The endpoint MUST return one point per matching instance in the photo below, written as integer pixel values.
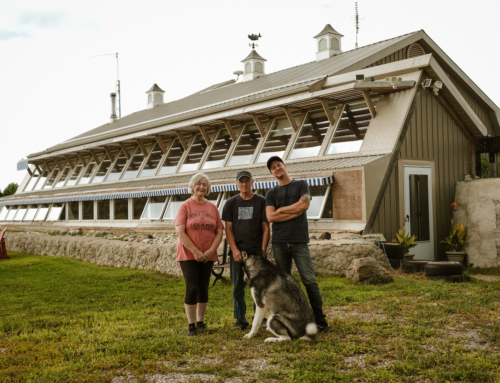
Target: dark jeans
(197, 278)
(284, 253)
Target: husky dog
(276, 292)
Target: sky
(52, 87)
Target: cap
(272, 159)
(243, 173)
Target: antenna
(356, 19)
(118, 94)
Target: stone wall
(330, 257)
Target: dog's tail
(311, 332)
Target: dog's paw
(272, 340)
(248, 336)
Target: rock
(367, 271)
(63, 231)
(313, 237)
(325, 235)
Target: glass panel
(32, 181)
(173, 206)
(42, 179)
(57, 212)
(212, 197)
(103, 210)
(73, 211)
(121, 208)
(51, 179)
(419, 207)
(247, 144)
(173, 158)
(88, 210)
(117, 168)
(351, 128)
(30, 215)
(311, 136)
(135, 164)
(138, 205)
(151, 164)
(3, 213)
(42, 212)
(193, 158)
(318, 194)
(219, 150)
(87, 174)
(20, 213)
(75, 174)
(277, 140)
(225, 197)
(12, 212)
(64, 176)
(102, 170)
(328, 209)
(154, 207)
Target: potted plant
(407, 241)
(455, 243)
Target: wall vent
(322, 45)
(334, 44)
(415, 50)
(258, 67)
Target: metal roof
(328, 29)
(253, 55)
(155, 88)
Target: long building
(382, 133)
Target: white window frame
(38, 211)
(91, 176)
(268, 133)
(164, 207)
(325, 198)
(14, 219)
(2, 210)
(137, 149)
(164, 158)
(50, 211)
(113, 163)
(31, 208)
(96, 211)
(186, 153)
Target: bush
(9, 189)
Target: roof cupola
(253, 66)
(328, 43)
(155, 96)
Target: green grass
(63, 320)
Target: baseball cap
(272, 159)
(243, 173)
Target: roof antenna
(118, 94)
(356, 18)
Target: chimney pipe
(113, 117)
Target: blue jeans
(284, 253)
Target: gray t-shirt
(295, 230)
(247, 217)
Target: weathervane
(253, 38)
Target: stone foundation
(330, 257)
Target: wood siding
(402, 54)
(432, 136)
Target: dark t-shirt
(295, 230)
(247, 217)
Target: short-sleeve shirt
(247, 217)
(201, 220)
(295, 230)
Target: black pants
(197, 278)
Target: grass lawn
(63, 320)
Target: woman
(199, 228)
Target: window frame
(268, 133)
(113, 163)
(125, 168)
(165, 156)
(212, 144)
(27, 211)
(104, 155)
(6, 209)
(163, 209)
(73, 170)
(325, 198)
(186, 154)
(52, 205)
(162, 158)
(40, 206)
(20, 207)
(91, 176)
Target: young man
(286, 206)
(247, 230)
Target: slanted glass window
(64, 176)
(172, 159)
(193, 158)
(57, 212)
(311, 136)
(20, 213)
(328, 209)
(121, 209)
(277, 140)
(154, 207)
(103, 210)
(319, 196)
(351, 128)
(246, 146)
(30, 214)
(11, 213)
(3, 213)
(42, 212)
(102, 170)
(73, 211)
(225, 197)
(219, 150)
(42, 179)
(75, 174)
(152, 162)
(117, 168)
(88, 210)
(173, 205)
(88, 173)
(138, 205)
(51, 179)
(135, 163)
(32, 181)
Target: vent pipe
(113, 117)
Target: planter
(409, 257)
(395, 263)
(393, 250)
(456, 256)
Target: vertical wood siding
(432, 136)
(396, 56)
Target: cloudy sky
(51, 88)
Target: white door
(419, 218)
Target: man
(247, 230)
(286, 206)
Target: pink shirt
(201, 220)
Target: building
(378, 153)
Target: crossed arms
(286, 213)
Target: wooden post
(230, 130)
(142, 147)
(58, 165)
(205, 135)
(289, 115)
(369, 103)
(258, 124)
(80, 157)
(182, 140)
(328, 112)
(493, 165)
(71, 166)
(38, 168)
(47, 165)
(29, 170)
(161, 144)
(108, 152)
(94, 156)
(125, 151)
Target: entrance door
(419, 219)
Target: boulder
(325, 235)
(367, 271)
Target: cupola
(328, 43)
(253, 66)
(155, 96)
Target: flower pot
(456, 256)
(409, 257)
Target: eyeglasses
(245, 182)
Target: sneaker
(323, 326)
(191, 330)
(203, 328)
(239, 326)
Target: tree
(9, 189)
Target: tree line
(9, 189)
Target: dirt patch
(347, 312)
(470, 337)
(486, 278)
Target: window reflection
(102, 170)
(154, 207)
(64, 176)
(173, 205)
(20, 213)
(32, 181)
(51, 179)
(42, 212)
(30, 214)
(103, 210)
(75, 174)
(277, 140)
(42, 179)
(73, 211)
(3, 213)
(219, 150)
(193, 158)
(318, 194)
(117, 168)
(247, 144)
(172, 159)
(88, 210)
(121, 209)
(138, 207)
(56, 212)
(135, 163)
(87, 174)
(311, 136)
(152, 162)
